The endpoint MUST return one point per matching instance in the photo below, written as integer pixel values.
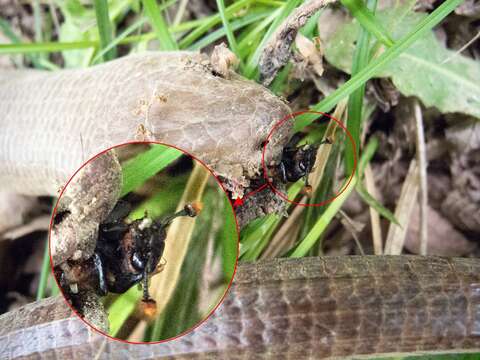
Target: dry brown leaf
(311, 52)
(224, 61)
(443, 239)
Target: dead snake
(291, 308)
(315, 307)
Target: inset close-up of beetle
(158, 245)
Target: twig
(277, 51)
(180, 12)
(396, 234)
(422, 164)
(374, 216)
(459, 51)
(353, 227)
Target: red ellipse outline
(236, 260)
(292, 116)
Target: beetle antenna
(328, 140)
(146, 295)
(190, 210)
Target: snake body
(291, 308)
(52, 122)
(317, 307)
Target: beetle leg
(112, 230)
(328, 140)
(102, 283)
(283, 172)
(188, 210)
(119, 212)
(160, 267)
(146, 295)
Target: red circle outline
(292, 116)
(236, 260)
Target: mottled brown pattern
(87, 201)
(292, 309)
(52, 122)
(276, 51)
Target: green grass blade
(10, 34)
(28, 48)
(162, 202)
(136, 25)
(219, 33)
(228, 30)
(311, 27)
(104, 28)
(368, 72)
(280, 83)
(371, 201)
(368, 21)
(167, 42)
(253, 232)
(137, 170)
(355, 101)
(254, 243)
(367, 155)
(37, 20)
(229, 237)
(121, 308)
(323, 221)
(245, 46)
(42, 284)
(211, 22)
(257, 234)
(55, 290)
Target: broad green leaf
(72, 29)
(436, 75)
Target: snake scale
(312, 307)
(291, 308)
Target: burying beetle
(297, 161)
(128, 253)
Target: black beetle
(297, 161)
(127, 253)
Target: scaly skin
(52, 122)
(292, 308)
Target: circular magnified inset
(143, 242)
(305, 159)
